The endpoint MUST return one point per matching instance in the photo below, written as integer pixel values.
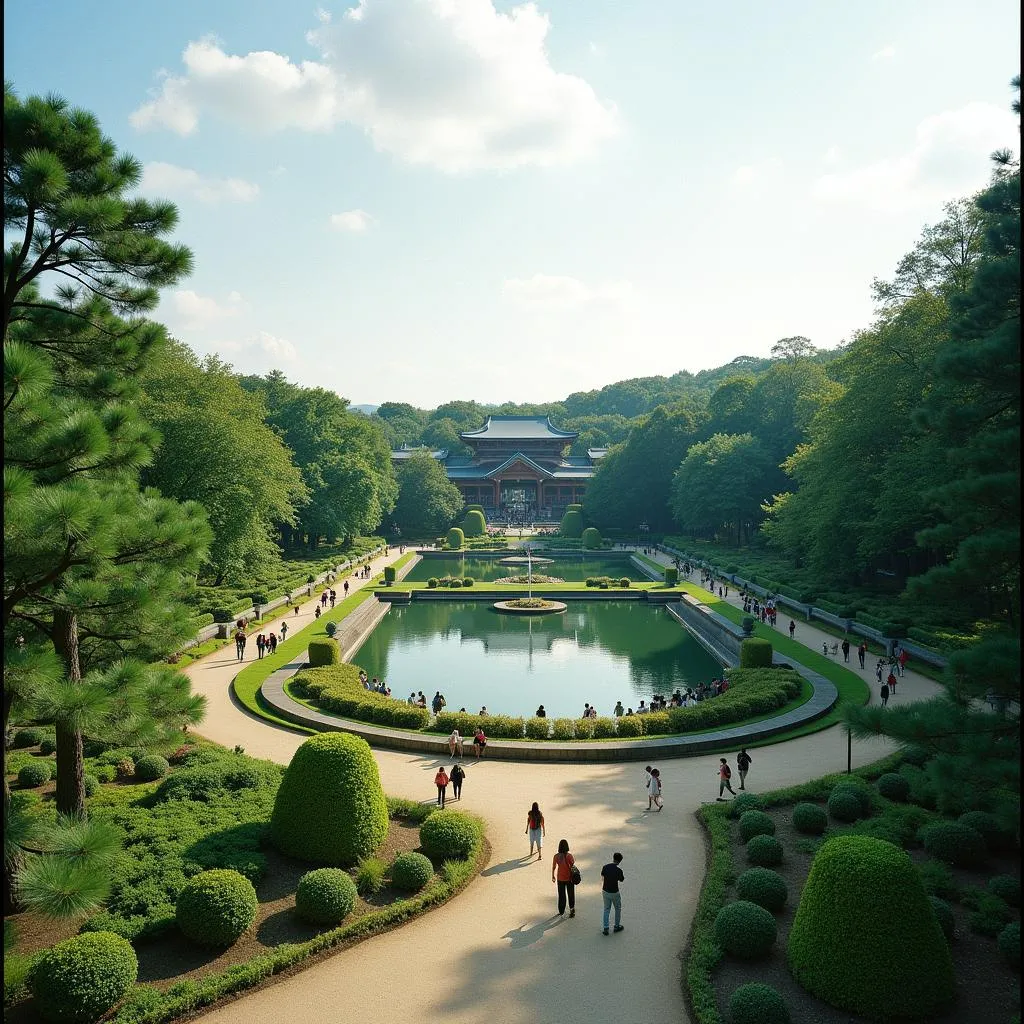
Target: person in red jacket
(441, 780)
(724, 775)
(561, 872)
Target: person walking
(454, 738)
(441, 780)
(901, 660)
(743, 763)
(655, 788)
(535, 828)
(272, 641)
(884, 694)
(792, 628)
(457, 774)
(878, 669)
(344, 587)
(862, 651)
(611, 876)
(561, 872)
(891, 680)
(724, 775)
(316, 612)
(334, 598)
(846, 649)
(240, 644)
(284, 631)
(261, 644)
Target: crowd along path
(499, 951)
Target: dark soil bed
(988, 989)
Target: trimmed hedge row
(337, 688)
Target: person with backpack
(724, 775)
(457, 774)
(567, 875)
(743, 763)
(535, 828)
(441, 780)
(240, 644)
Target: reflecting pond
(486, 568)
(596, 652)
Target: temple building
(518, 470)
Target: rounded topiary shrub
(862, 790)
(997, 836)
(954, 843)
(743, 803)
(330, 807)
(456, 538)
(91, 784)
(862, 899)
(765, 851)
(81, 978)
(411, 871)
(151, 767)
(944, 915)
(572, 523)
(331, 628)
(448, 835)
(1009, 943)
(755, 1003)
(810, 819)
(325, 896)
(323, 652)
(844, 805)
(27, 738)
(591, 537)
(755, 653)
(755, 823)
(1006, 887)
(48, 746)
(764, 887)
(214, 908)
(745, 930)
(894, 787)
(35, 773)
(474, 524)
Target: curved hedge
(755, 653)
(765, 851)
(756, 1003)
(80, 979)
(745, 930)
(411, 871)
(954, 843)
(325, 896)
(810, 819)
(337, 688)
(764, 887)
(894, 786)
(863, 899)
(215, 907)
(323, 652)
(330, 807)
(448, 835)
(151, 767)
(755, 823)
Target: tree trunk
(70, 795)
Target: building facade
(518, 470)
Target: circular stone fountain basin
(511, 609)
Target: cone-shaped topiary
(330, 808)
(863, 896)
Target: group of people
(456, 777)
(374, 685)
(765, 611)
(455, 742)
(689, 698)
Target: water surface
(487, 567)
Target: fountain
(529, 605)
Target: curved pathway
(499, 952)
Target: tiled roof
(514, 427)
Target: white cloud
(262, 343)
(885, 53)
(171, 180)
(353, 221)
(949, 158)
(453, 84)
(833, 155)
(552, 291)
(750, 174)
(192, 311)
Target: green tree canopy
(428, 502)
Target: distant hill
(366, 410)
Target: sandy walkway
(499, 952)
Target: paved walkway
(499, 952)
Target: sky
(430, 200)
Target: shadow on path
(510, 865)
(523, 936)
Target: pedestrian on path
(743, 763)
(284, 631)
(334, 598)
(892, 682)
(846, 649)
(611, 875)
(344, 587)
(535, 828)
(655, 788)
(724, 775)
(878, 669)
(457, 774)
(862, 651)
(454, 739)
(316, 612)
(240, 645)
(561, 872)
(261, 645)
(441, 780)
(792, 628)
(884, 694)
(901, 659)
(272, 641)
(647, 784)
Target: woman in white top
(655, 788)
(455, 743)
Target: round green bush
(323, 652)
(448, 835)
(755, 823)
(997, 836)
(91, 784)
(863, 899)
(756, 1003)
(1006, 887)
(214, 908)
(591, 537)
(745, 930)
(474, 524)
(331, 628)
(944, 915)
(80, 979)
(755, 653)
(810, 819)
(572, 523)
(844, 805)
(35, 773)
(862, 790)
(954, 843)
(325, 896)
(630, 725)
(743, 803)
(894, 787)
(456, 538)
(411, 871)
(48, 746)
(27, 738)
(764, 887)
(330, 807)
(151, 767)
(765, 851)
(1009, 943)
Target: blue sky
(425, 200)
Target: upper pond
(486, 568)
(595, 652)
